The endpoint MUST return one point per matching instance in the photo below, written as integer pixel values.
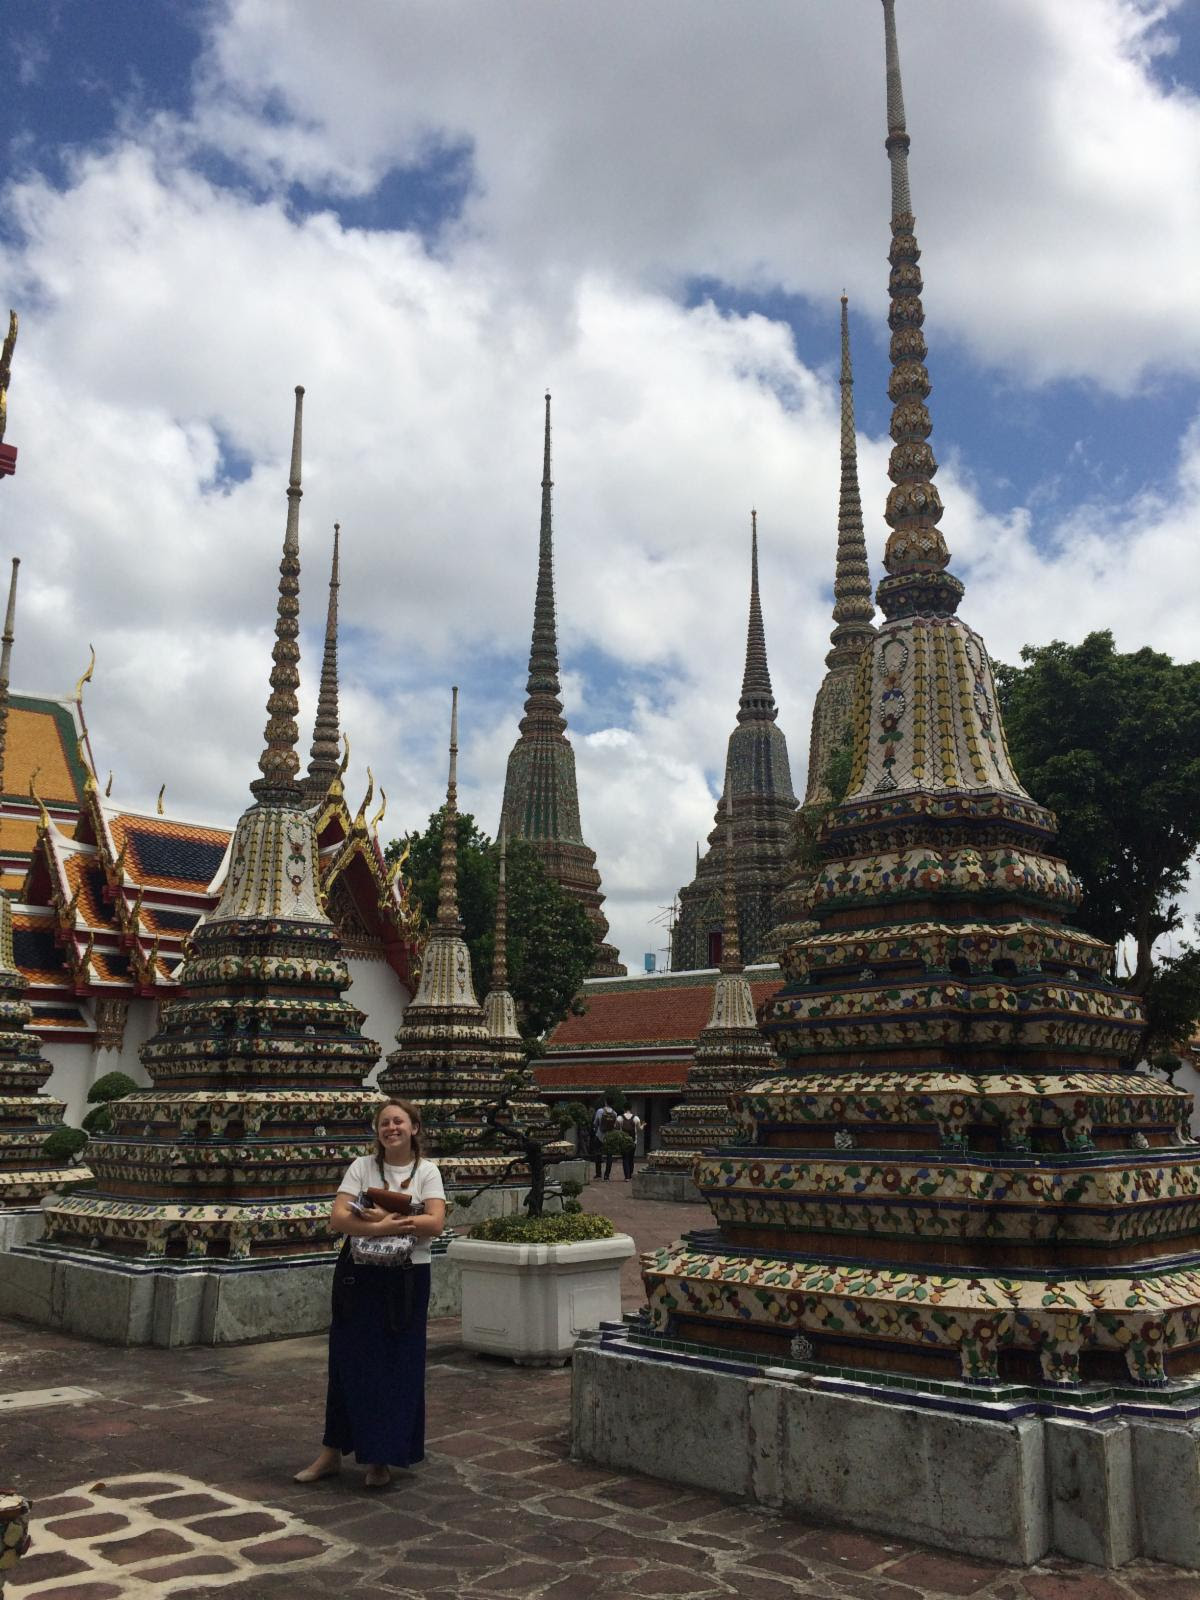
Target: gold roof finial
(382, 812)
(159, 805)
(367, 798)
(44, 823)
(108, 785)
(346, 757)
(87, 674)
(279, 762)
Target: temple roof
(671, 1009)
(637, 1034)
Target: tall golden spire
(853, 610)
(279, 762)
(447, 912)
(916, 554)
(323, 762)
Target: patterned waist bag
(394, 1252)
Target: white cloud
(1053, 172)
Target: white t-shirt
(363, 1173)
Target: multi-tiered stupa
(257, 1103)
(759, 777)
(446, 1057)
(853, 631)
(731, 1056)
(541, 796)
(958, 1176)
(27, 1117)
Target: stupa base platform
(179, 1303)
(20, 1225)
(1006, 1473)
(652, 1184)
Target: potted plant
(532, 1284)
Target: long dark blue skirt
(375, 1403)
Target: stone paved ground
(168, 1473)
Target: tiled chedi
(759, 778)
(27, 1116)
(452, 1057)
(958, 1174)
(731, 1053)
(541, 795)
(853, 631)
(257, 1102)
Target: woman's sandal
(377, 1478)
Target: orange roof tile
(649, 1011)
(42, 736)
(596, 1076)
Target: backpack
(608, 1120)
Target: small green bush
(570, 1188)
(112, 1086)
(566, 1228)
(98, 1120)
(65, 1143)
(616, 1144)
(616, 1099)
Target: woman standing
(375, 1402)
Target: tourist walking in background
(630, 1126)
(603, 1123)
(375, 1400)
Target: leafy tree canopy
(551, 944)
(1110, 741)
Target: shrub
(616, 1099)
(570, 1188)
(65, 1143)
(98, 1120)
(569, 1227)
(617, 1144)
(111, 1086)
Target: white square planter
(530, 1302)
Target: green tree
(551, 943)
(1110, 741)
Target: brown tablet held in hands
(391, 1200)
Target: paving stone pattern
(176, 1481)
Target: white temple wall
(377, 990)
(72, 1077)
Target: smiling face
(394, 1129)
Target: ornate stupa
(853, 631)
(499, 1007)
(257, 1100)
(27, 1117)
(447, 1058)
(324, 767)
(541, 799)
(759, 778)
(958, 1176)
(731, 1056)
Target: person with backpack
(630, 1125)
(603, 1123)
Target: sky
(428, 214)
